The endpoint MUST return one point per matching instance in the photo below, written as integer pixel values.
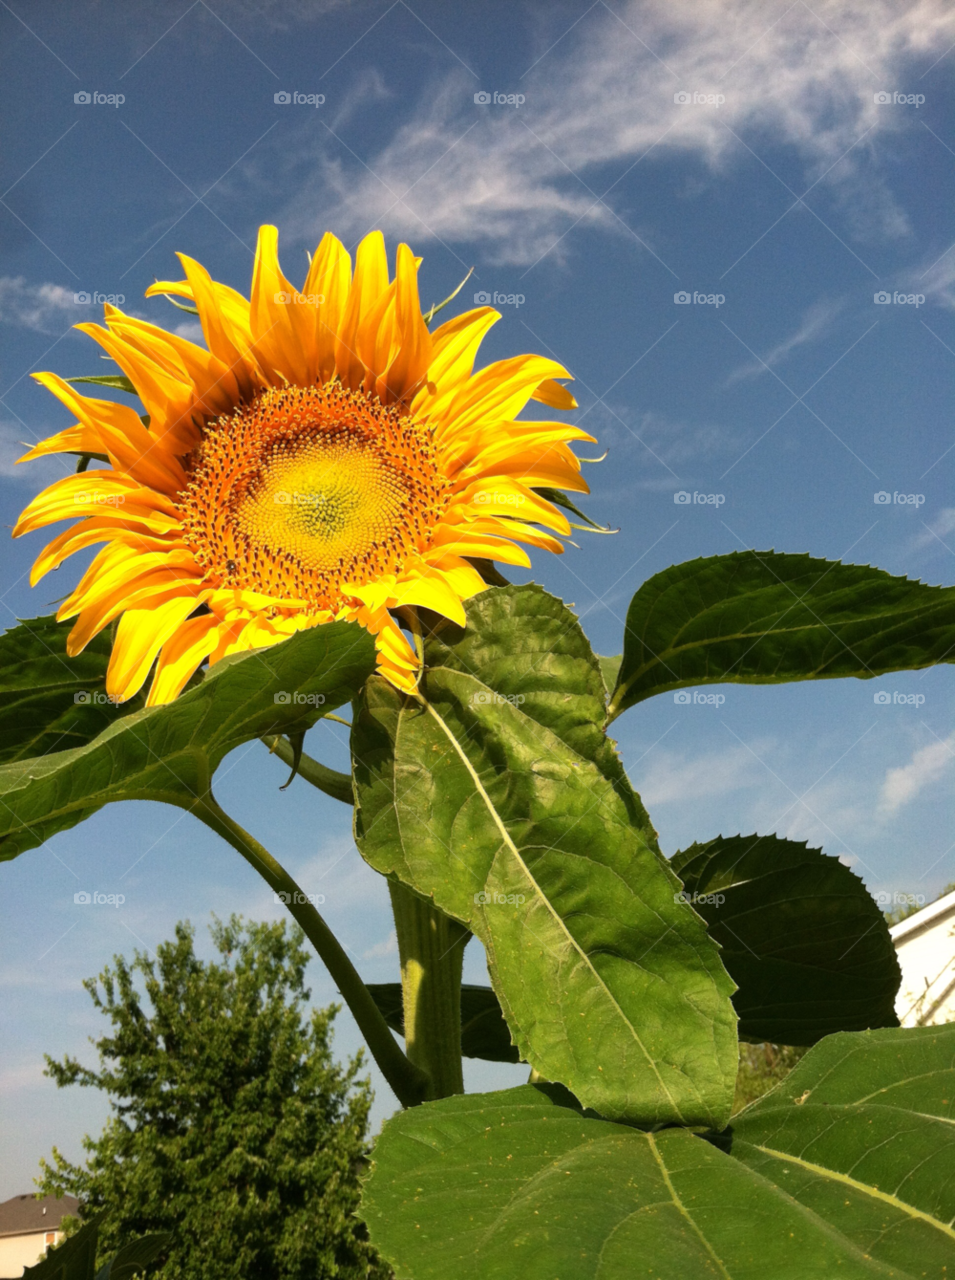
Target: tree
(232, 1127)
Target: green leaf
(862, 1134)
(802, 937)
(499, 797)
(560, 499)
(131, 1259)
(520, 1185)
(48, 701)
(170, 753)
(118, 381)
(74, 1259)
(484, 1032)
(763, 618)
(610, 669)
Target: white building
(27, 1227)
(925, 945)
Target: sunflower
(324, 457)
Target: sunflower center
(307, 488)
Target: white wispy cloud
(938, 281)
(673, 777)
(815, 323)
(928, 765)
(516, 180)
(46, 308)
(936, 531)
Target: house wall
(17, 1252)
(927, 959)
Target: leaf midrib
(506, 836)
(864, 1188)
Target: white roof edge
(933, 913)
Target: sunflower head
(324, 456)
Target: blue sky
(788, 162)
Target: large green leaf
(762, 617)
(518, 1185)
(170, 753)
(862, 1134)
(49, 701)
(75, 1258)
(484, 1032)
(498, 796)
(802, 937)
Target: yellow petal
(139, 637)
(275, 335)
(370, 281)
(182, 654)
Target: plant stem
(334, 784)
(431, 948)
(408, 1082)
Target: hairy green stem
(409, 1083)
(334, 784)
(431, 950)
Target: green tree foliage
(232, 1127)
